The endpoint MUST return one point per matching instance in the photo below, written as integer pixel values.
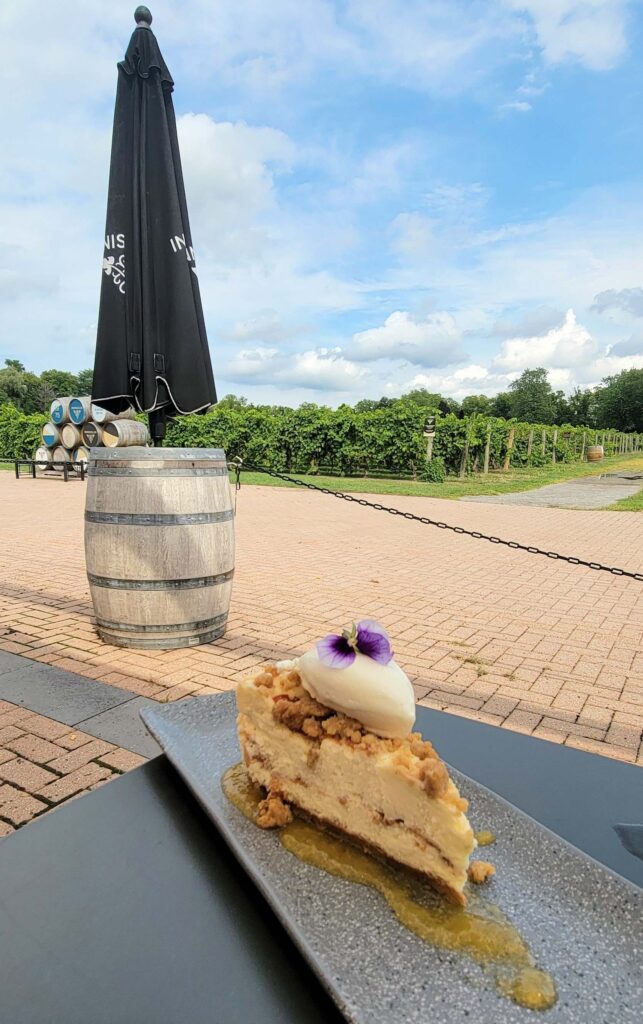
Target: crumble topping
(294, 708)
(273, 812)
(480, 871)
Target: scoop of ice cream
(379, 696)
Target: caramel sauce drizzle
(480, 931)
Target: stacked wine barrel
(76, 425)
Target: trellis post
(487, 450)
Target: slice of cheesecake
(390, 795)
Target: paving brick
(73, 740)
(5, 829)
(34, 748)
(83, 778)
(122, 760)
(18, 807)
(10, 732)
(46, 728)
(25, 774)
(82, 755)
(549, 638)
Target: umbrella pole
(158, 423)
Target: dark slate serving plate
(582, 922)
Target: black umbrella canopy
(151, 347)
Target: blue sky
(383, 193)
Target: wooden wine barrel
(70, 436)
(100, 415)
(59, 410)
(92, 435)
(80, 410)
(159, 545)
(43, 454)
(59, 455)
(594, 452)
(122, 433)
(81, 454)
(50, 435)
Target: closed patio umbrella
(151, 347)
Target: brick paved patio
(500, 636)
(43, 763)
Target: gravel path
(588, 492)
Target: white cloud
(567, 345)
(432, 341)
(319, 369)
(627, 300)
(520, 106)
(592, 32)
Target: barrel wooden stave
(100, 415)
(81, 454)
(595, 453)
(80, 409)
(59, 410)
(92, 434)
(123, 433)
(159, 548)
(50, 434)
(43, 454)
(70, 436)
(59, 455)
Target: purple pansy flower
(367, 637)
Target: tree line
(32, 393)
(617, 403)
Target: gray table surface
(125, 907)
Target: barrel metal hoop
(189, 584)
(162, 643)
(150, 519)
(175, 627)
(164, 469)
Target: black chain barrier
(237, 465)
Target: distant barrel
(122, 433)
(80, 410)
(60, 455)
(70, 436)
(81, 454)
(59, 410)
(43, 454)
(50, 435)
(100, 415)
(92, 434)
(595, 452)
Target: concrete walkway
(587, 492)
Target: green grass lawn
(453, 488)
(633, 504)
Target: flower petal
(335, 652)
(373, 641)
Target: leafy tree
(12, 384)
(581, 407)
(85, 380)
(619, 401)
(60, 382)
(420, 396)
(532, 399)
(476, 403)
(501, 405)
(15, 364)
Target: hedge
(388, 441)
